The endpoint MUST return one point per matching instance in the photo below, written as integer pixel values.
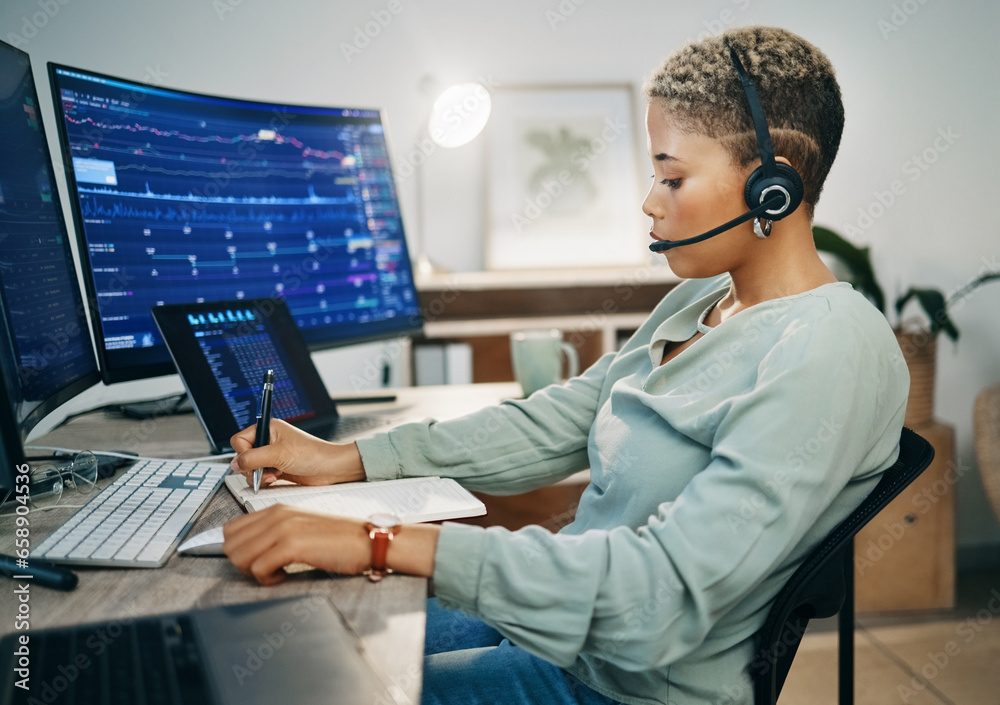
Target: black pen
(263, 424)
(38, 572)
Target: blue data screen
(188, 198)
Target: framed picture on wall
(562, 179)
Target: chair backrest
(819, 586)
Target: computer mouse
(207, 543)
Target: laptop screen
(222, 350)
(239, 347)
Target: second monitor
(46, 356)
(180, 197)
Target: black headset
(773, 189)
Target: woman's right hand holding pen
(295, 455)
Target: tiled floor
(916, 659)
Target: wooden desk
(388, 616)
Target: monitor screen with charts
(46, 353)
(181, 197)
(222, 351)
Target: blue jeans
(467, 662)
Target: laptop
(261, 653)
(222, 349)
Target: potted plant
(917, 340)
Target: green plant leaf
(856, 259)
(973, 285)
(936, 308)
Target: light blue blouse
(712, 476)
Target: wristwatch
(381, 529)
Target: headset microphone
(773, 189)
(771, 201)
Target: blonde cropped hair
(699, 87)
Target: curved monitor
(46, 354)
(180, 197)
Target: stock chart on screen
(181, 197)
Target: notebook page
(412, 499)
(282, 488)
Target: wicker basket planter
(920, 353)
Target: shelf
(553, 278)
(593, 308)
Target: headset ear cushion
(787, 178)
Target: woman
(747, 417)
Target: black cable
(128, 410)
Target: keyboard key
(154, 665)
(188, 664)
(122, 657)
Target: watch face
(384, 521)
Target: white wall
(910, 71)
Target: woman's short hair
(699, 87)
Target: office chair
(824, 585)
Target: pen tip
(269, 377)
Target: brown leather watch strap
(381, 530)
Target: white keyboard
(139, 519)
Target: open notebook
(413, 499)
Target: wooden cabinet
(904, 558)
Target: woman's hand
(261, 544)
(295, 455)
